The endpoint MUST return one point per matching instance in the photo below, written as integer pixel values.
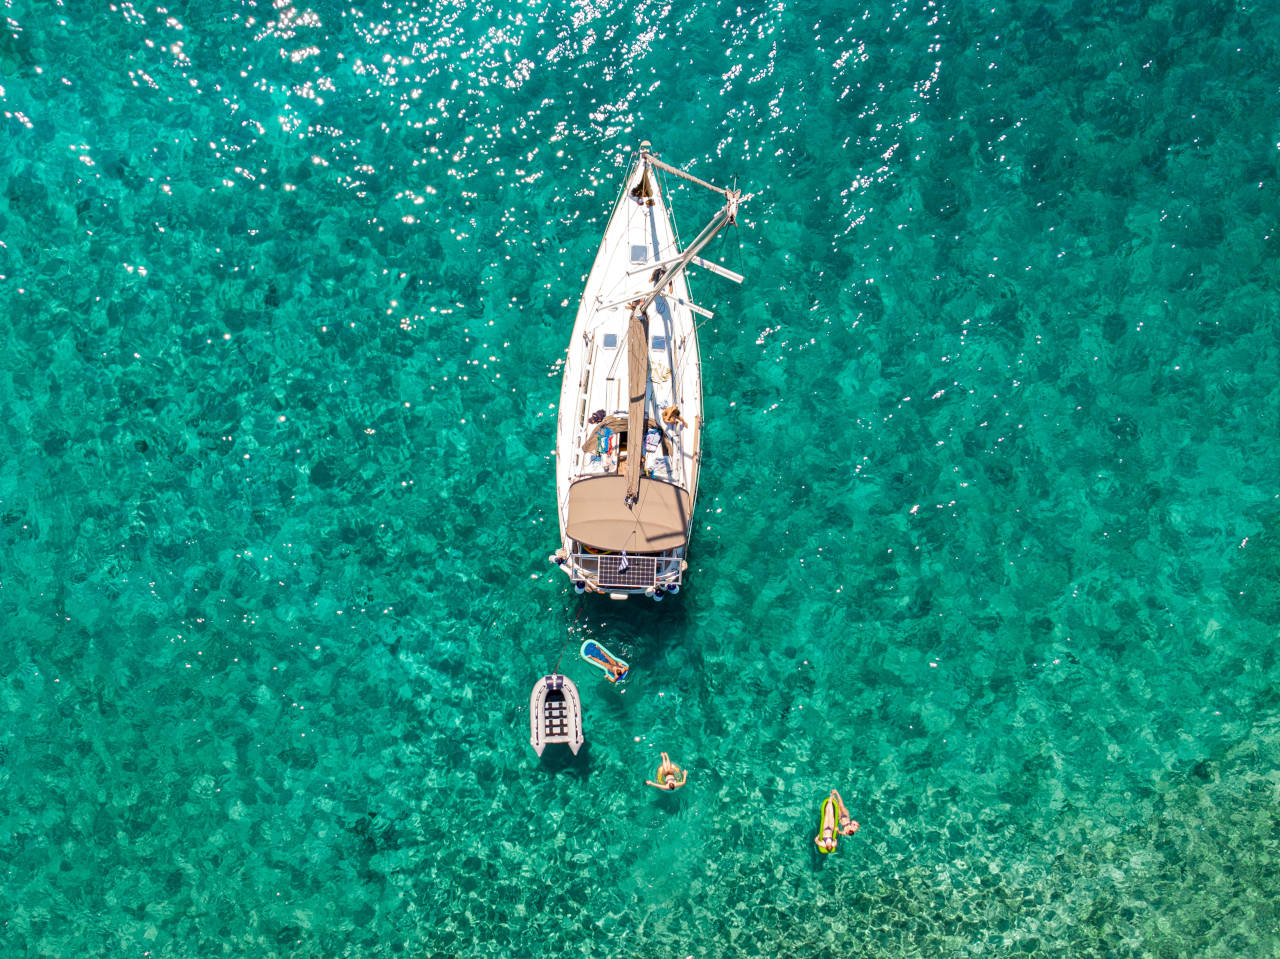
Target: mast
(727, 216)
(638, 325)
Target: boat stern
(621, 576)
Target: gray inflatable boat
(555, 713)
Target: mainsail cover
(638, 387)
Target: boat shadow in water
(557, 760)
(637, 622)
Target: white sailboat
(629, 439)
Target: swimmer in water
(848, 825)
(666, 775)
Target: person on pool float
(826, 838)
(610, 665)
(667, 773)
(848, 825)
(616, 670)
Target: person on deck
(666, 775)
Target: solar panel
(638, 574)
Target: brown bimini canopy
(598, 516)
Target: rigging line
(738, 258)
(660, 184)
(622, 191)
(687, 176)
(567, 638)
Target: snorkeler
(667, 773)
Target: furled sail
(638, 388)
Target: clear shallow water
(987, 534)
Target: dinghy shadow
(556, 762)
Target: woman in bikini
(848, 825)
(611, 666)
(826, 838)
(666, 775)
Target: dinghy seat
(555, 710)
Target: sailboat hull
(608, 544)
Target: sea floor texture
(988, 536)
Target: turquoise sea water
(987, 535)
